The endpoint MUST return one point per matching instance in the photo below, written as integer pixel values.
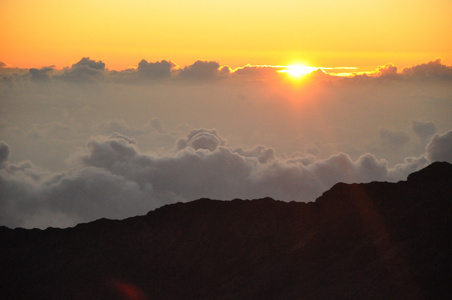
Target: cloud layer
(89, 70)
(87, 142)
(116, 180)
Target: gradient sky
(326, 33)
(109, 109)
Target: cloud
(204, 70)
(4, 152)
(115, 179)
(88, 70)
(201, 139)
(262, 153)
(40, 74)
(424, 130)
(146, 145)
(105, 152)
(84, 71)
(440, 147)
(432, 69)
(154, 70)
(256, 71)
(387, 71)
(86, 62)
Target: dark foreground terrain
(359, 241)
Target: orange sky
(325, 33)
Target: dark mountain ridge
(357, 241)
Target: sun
(297, 71)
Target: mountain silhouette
(357, 241)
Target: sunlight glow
(297, 71)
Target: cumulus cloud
(115, 179)
(86, 70)
(387, 71)
(86, 62)
(432, 69)
(262, 153)
(206, 70)
(154, 70)
(440, 147)
(201, 139)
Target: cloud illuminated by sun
(297, 70)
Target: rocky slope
(357, 241)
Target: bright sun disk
(297, 71)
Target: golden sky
(326, 33)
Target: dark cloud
(86, 62)
(160, 69)
(424, 130)
(2, 64)
(105, 152)
(204, 70)
(4, 152)
(256, 72)
(440, 147)
(40, 74)
(88, 70)
(224, 71)
(432, 69)
(84, 71)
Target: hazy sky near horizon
(112, 108)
